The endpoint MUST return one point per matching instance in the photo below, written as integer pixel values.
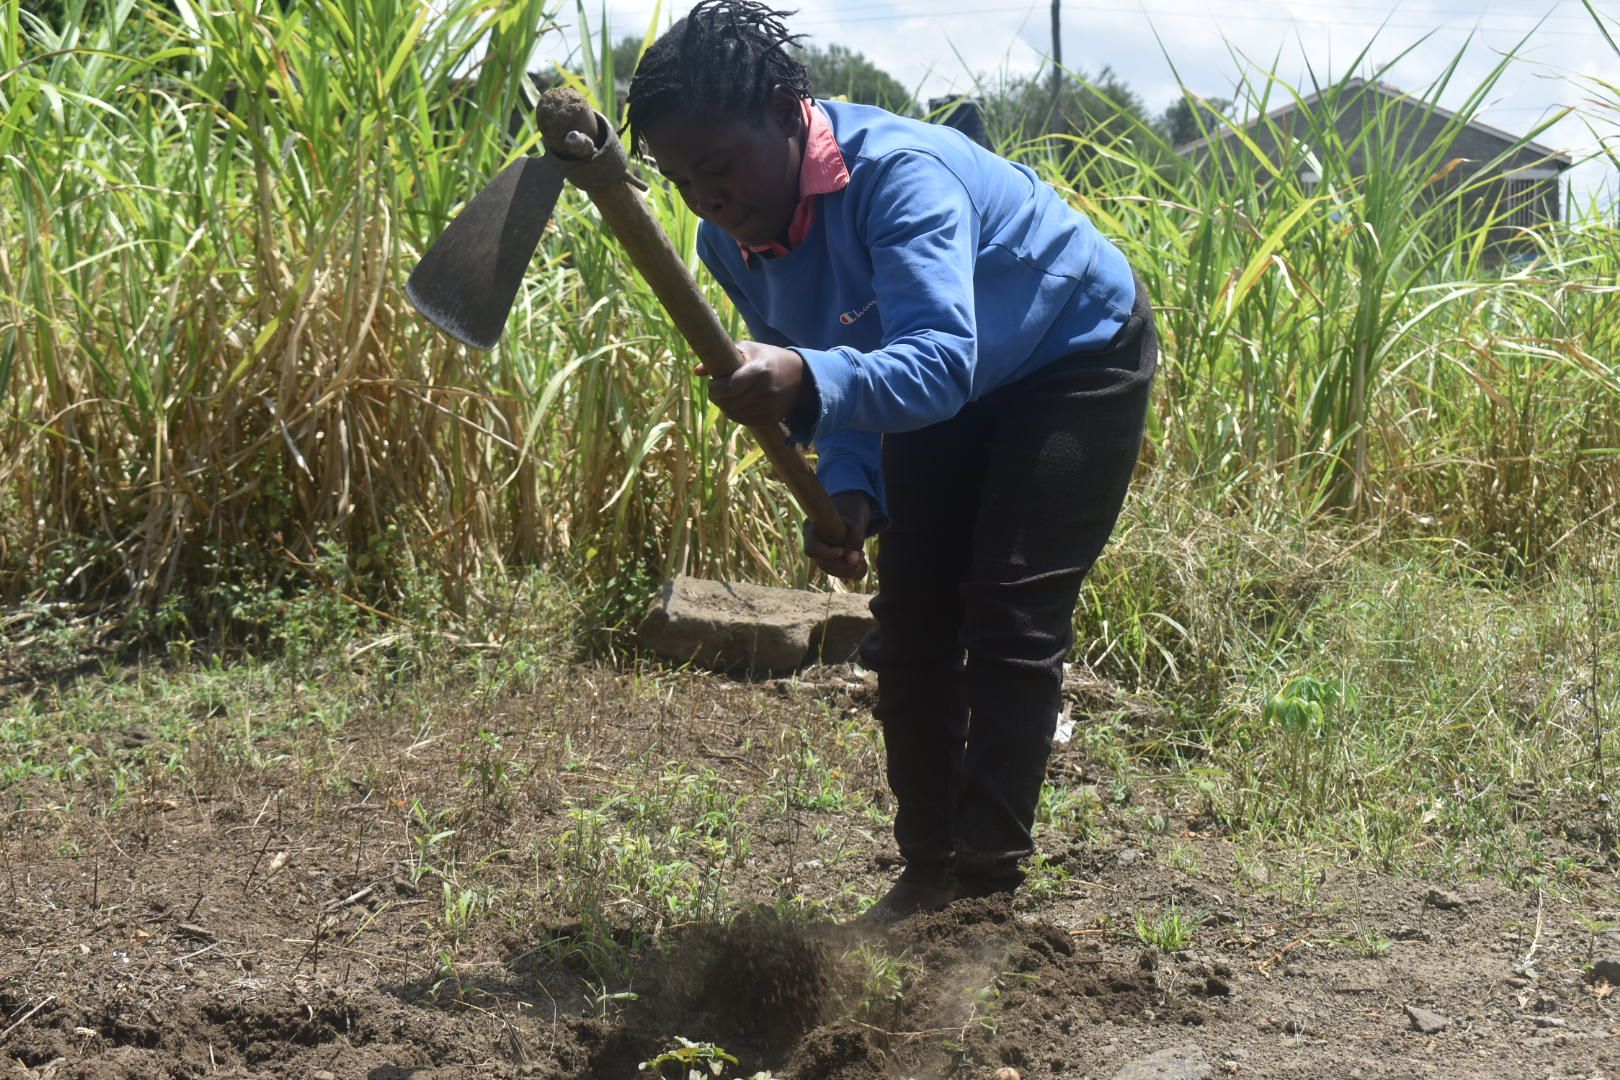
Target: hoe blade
(468, 278)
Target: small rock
(1549, 1022)
(1412, 933)
(1175, 1063)
(1607, 969)
(1518, 982)
(734, 625)
(1546, 1003)
(1127, 856)
(321, 1074)
(1440, 898)
(1426, 1021)
(1007, 1072)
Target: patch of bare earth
(278, 922)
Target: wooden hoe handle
(574, 132)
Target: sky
(940, 46)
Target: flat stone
(735, 626)
(1426, 1021)
(1607, 970)
(1175, 1063)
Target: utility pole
(1057, 49)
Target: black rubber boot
(972, 886)
(922, 887)
(978, 877)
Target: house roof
(1554, 157)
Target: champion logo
(848, 317)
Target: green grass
(1342, 696)
(213, 387)
(1387, 696)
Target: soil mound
(760, 982)
(803, 1000)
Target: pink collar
(822, 173)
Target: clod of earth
(1426, 1021)
(1440, 898)
(1606, 970)
(734, 626)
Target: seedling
(1594, 929)
(1172, 930)
(429, 833)
(689, 1061)
(1183, 858)
(885, 977)
(1044, 879)
(461, 905)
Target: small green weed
(690, 1060)
(809, 783)
(462, 904)
(1171, 930)
(885, 978)
(1069, 810)
(488, 772)
(429, 834)
(1182, 858)
(1044, 879)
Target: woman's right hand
(846, 560)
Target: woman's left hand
(764, 390)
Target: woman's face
(742, 173)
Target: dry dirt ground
(269, 916)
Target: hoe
(468, 279)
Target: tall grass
(1363, 344)
(210, 373)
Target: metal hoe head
(468, 279)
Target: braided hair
(725, 55)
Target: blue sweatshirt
(940, 273)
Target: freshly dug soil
(260, 923)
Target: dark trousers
(996, 515)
